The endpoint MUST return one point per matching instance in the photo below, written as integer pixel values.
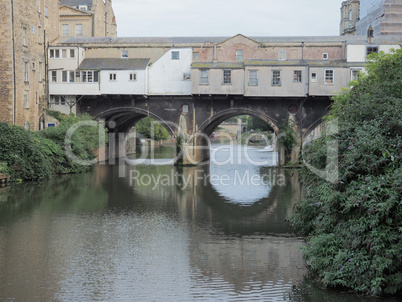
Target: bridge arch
(212, 123)
(126, 117)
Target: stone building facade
(87, 18)
(25, 29)
(350, 11)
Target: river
(148, 231)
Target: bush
(354, 227)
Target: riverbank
(31, 156)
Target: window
(64, 76)
(78, 76)
(52, 53)
(57, 53)
(276, 78)
(65, 30)
(45, 11)
(78, 30)
(371, 49)
(325, 56)
(239, 55)
(282, 55)
(370, 32)
(313, 77)
(186, 76)
(329, 76)
(83, 7)
(33, 66)
(58, 100)
(195, 56)
(227, 77)
(26, 99)
(204, 77)
(71, 76)
(72, 53)
(124, 53)
(24, 36)
(84, 76)
(40, 71)
(350, 15)
(253, 78)
(354, 74)
(133, 76)
(64, 53)
(297, 76)
(54, 76)
(39, 35)
(112, 77)
(32, 30)
(26, 71)
(175, 55)
(96, 76)
(38, 6)
(90, 76)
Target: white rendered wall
(123, 85)
(166, 75)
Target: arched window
(350, 15)
(370, 32)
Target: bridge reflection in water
(100, 236)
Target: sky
(177, 18)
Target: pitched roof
(76, 2)
(114, 64)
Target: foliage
(354, 226)
(287, 138)
(145, 126)
(37, 155)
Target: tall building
(26, 27)
(87, 18)
(349, 16)
(383, 16)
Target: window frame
(112, 77)
(276, 78)
(314, 77)
(226, 77)
(239, 55)
(26, 99)
(132, 77)
(54, 76)
(65, 30)
(253, 81)
(26, 76)
(374, 49)
(124, 54)
(196, 56)
(204, 80)
(175, 55)
(326, 77)
(283, 57)
(78, 30)
(297, 76)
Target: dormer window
(83, 7)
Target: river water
(148, 231)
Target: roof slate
(114, 64)
(76, 2)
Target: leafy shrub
(354, 227)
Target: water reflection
(98, 236)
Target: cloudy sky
(152, 18)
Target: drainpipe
(14, 57)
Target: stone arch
(212, 123)
(127, 117)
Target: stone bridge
(194, 118)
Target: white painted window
(204, 77)
(371, 49)
(325, 56)
(297, 76)
(253, 78)
(72, 53)
(227, 77)
(26, 71)
(58, 100)
(78, 30)
(124, 53)
(78, 76)
(112, 77)
(26, 99)
(313, 77)
(83, 7)
(24, 36)
(51, 53)
(282, 54)
(71, 77)
(57, 53)
(329, 76)
(133, 76)
(195, 56)
(276, 78)
(239, 55)
(65, 30)
(64, 76)
(54, 76)
(64, 53)
(175, 55)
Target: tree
(145, 126)
(354, 227)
